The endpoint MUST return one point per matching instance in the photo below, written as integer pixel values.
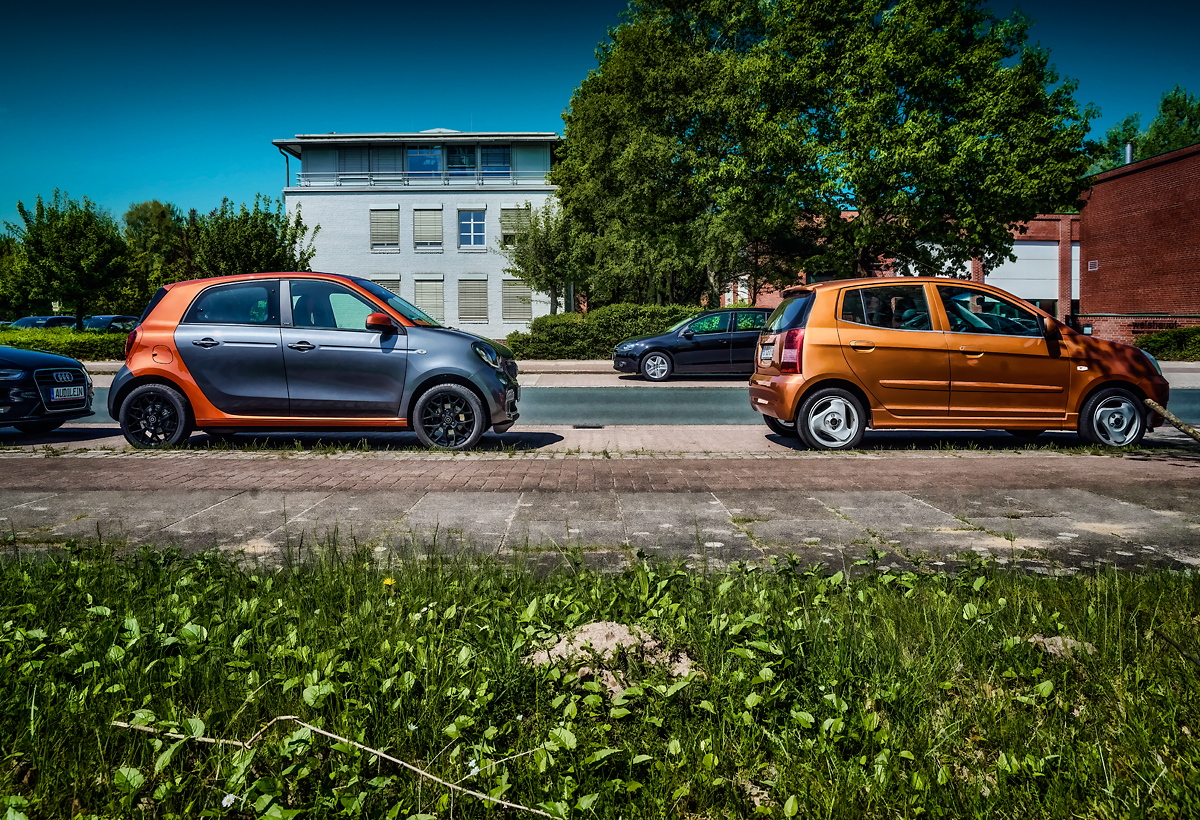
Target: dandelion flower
(387, 582)
(228, 800)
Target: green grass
(883, 695)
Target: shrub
(1180, 345)
(593, 335)
(88, 347)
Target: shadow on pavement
(365, 442)
(1163, 440)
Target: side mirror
(687, 334)
(1047, 327)
(381, 322)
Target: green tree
(540, 253)
(72, 252)
(1175, 126)
(236, 239)
(15, 294)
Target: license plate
(765, 354)
(63, 393)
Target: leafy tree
(15, 298)
(1176, 125)
(540, 253)
(230, 240)
(71, 252)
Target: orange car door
(1000, 364)
(891, 345)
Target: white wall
(1035, 273)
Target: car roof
(249, 277)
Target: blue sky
(131, 101)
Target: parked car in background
(838, 358)
(44, 322)
(715, 341)
(110, 324)
(40, 391)
(306, 351)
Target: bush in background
(1179, 345)
(593, 335)
(87, 347)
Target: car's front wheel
(832, 419)
(779, 427)
(1112, 417)
(37, 427)
(449, 417)
(154, 416)
(656, 367)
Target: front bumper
(32, 399)
(503, 393)
(625, 362)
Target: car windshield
(680, 324)
(413, 314)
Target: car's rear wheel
(155, 416)
(779, 427)
(449, 417)
(831, 419)
(1112, 417)
(36, 427)
(656, 367)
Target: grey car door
(229, 340)
(336, 368)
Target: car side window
(753, 320)
(242, 303)
(713, 323)
(974, 311)
(327, 306)
(899, 307)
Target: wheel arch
(661, 350)
(849, 386)
(123, 392)
(1107, 383)
(445, 378)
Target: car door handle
(971, 352)
(865, 347)
(303, 347)
(206, 342)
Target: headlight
(11, 375)
(488, 354)
(625, 347)
(1153, 361)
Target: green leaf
(128, 780)
(791, 806)
(99, 611)
(617, 713)
(192, 634)
(1044, 688)
(640, 759)
(194, 727)
(563, 737)
(601, 754)
(587, 801)
(979, 582)
(164, 759)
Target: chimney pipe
(1128, 153)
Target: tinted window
(60, 321)
(791, 314)
(244, 303)
(973, 311)
(158, 297)
(900, 307)
(713, 323)
(328, 306)
(751, 321)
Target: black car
(39, 391)
(716, 341)
(44, 322)
(110, 324)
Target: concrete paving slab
(974, 503)
(680, 521)
(136, 518)
(471, 521)
(888, 511)
(254, 521)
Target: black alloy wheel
(779, 427)
(449, 417)
(154, 416)
(37, 427)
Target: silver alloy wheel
(1116, 421)
(833, 422)
(656, 367)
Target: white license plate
(62, 393)
(765, 354)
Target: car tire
(449, 417)
(831, 419)
(1025, 433)
(1112, 417)
(656, 366)
(38, 427)
(155, 416)
(779, 427)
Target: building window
(427, 228)
(470, 229)
(429, 296)
(352, 161)
(512, 222)
(518, 301)
(460, 160)
(472, 300)
(497, 160)
(387, 282)
(385, 229)
(424, 161)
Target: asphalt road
(664, 405)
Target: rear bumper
(776, 396)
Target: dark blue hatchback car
(40, 391)
(715, 341)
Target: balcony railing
(395, 179)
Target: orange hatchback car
(922, 353)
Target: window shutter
(385, 229)
(352, 160)
(427, 229)
(386, 160)
(428, 296)
(472, 300)
(514, 220)
(389, 283)
(518, 301)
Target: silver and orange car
(837, 358)
(306, 351)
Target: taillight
(792, 354)
(130, 341)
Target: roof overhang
(296, 145)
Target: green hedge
(593, 335)
(87, 347)
(1179, 345)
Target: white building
(423, 214)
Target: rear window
(791, 314)
(158, 297)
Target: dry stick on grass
(293, 718)
(1171, 417)
(1191, 656)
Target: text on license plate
(61, 393)
(765, 354)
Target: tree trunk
(79, 316)
(553, 299)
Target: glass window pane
(327, 306)
(713, 323)
(249, 303)
(973, 311)
(899, 307)
(751, 321)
